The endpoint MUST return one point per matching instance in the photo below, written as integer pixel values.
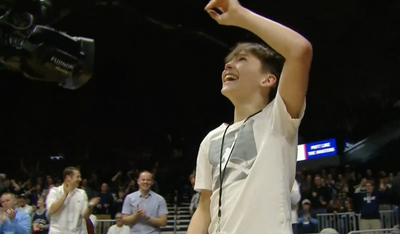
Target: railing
(377, 231)
(349, 222)
(175, 210)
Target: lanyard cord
(222, 172)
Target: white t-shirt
(114, 229)
(28, 209)
(69, 218)
(259, 175)
(295, 197)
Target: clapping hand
(94, 201)
(10, 213)
(141, 212)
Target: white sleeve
(51, 198)
(85, 202)
(203, 168)
(282, 122)
(295, 194)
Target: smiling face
(251, 70)
(145, 181)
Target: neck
(119, 225)
(243, 111)
(144, 193)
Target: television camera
(39, 52)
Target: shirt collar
(149, 194)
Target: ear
(268, 80)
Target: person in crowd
(68, 205)
(40, 219)
(106, 200)
(145, 211)
(119, 201)
(118, 227)
(9, 186)
(13, 220)
(341, 188)
(369, 201)
(23, 206)
(295, 197)
(307, 221)
(319, 197)
(88, 190)
(195, 197)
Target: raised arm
(296, 50)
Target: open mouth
(230, 77)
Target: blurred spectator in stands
(94, 181)
(370, 216)
(361, 187)
(9, 186)
(131, 187)
(334, 207)
(319, 196)
(23, 206)
(118, 227)
(192, 191)
(88, 190)
(120, 200)
(12, 220)
(307, 221)
(352, 183)
(145, 211)
(305, 187)
(347, 207)
(33, 194)
(40, 220)
(48, 185)
(295, 197)
(195, 198)
(369, 175)
(385, 203)
(341, 189)
(106, 200)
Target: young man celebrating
(245, 171)
(68, 206)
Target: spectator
(40, 220)
(88, 190)
(319, 197)
(370, 216)
(145, 211)
(295, 199)
(307, 221)
(12, 220)
(106, 200)
(195, 198)
(118, 227)
(67, 205)
(341, 189)
(23, 206)
(120, 200)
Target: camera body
(40, 52)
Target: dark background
(156, 88)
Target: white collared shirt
(69, 218)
